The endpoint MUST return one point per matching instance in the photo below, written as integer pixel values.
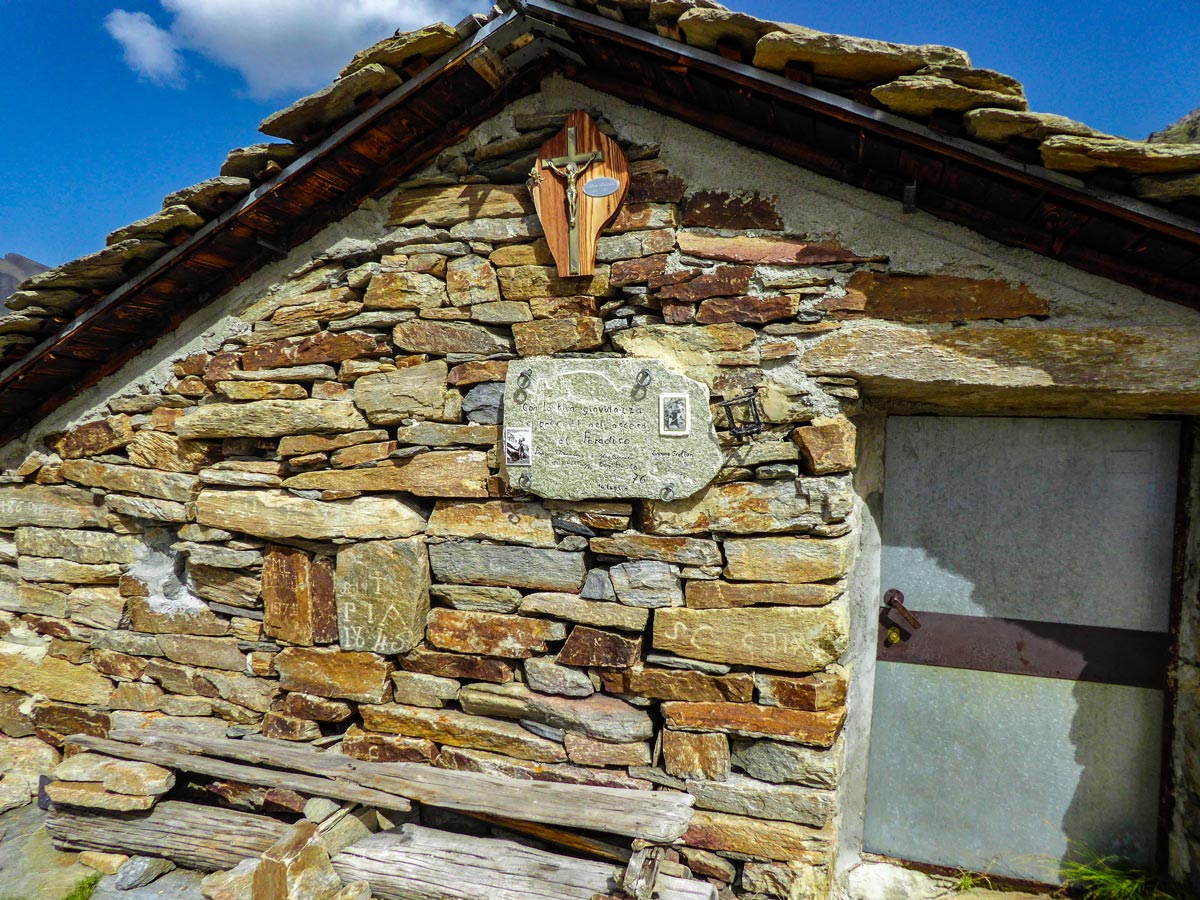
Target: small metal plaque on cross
(578, 183)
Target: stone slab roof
(915, 122)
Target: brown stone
(641, 216)
(297, 592)
(635, 271)
(1083, 155)
(323, 347)
(465, 760)
(334, 673)
(717, 209)
(92, 795)
(460, 729)
(31, 671)
(1038, 368)
(471, 280)
(767, 250)
(527, 282)
(327, 305)
(745, 507)
(852, 58)
(427, 336)
(999, 125)
(278, 514)
(297, 865)
(681, 550)
(450, 205)
(382, 592)
(817, 729)
(123, 776)
(130, 479)
(723, 281)
(52, 722)
(376, 747)
(268, 418)
(563, 307)
(444, 473)
(724, 595)
(827, 444)
(229, 586)
(319, 709)
(120, 666)
(591, 647)
(545, 337)
(156, 450)
(209, 652)
(491, 634)
(601, 717)
(458, 665)
(680, 684)
(389, 397)
(752, 310)
(404, 290)
(703, 756)
(761, 838)
(339, 100)
(499, 520)
(794, 560)
(95, 438)
(655, 187)
(926, 94)
(935, 298)
(470, 373)
(574, 608)
(297, 445)
(55, 506)
(816, 692)
(790, 638)
(289, 728)
(590, 752)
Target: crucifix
(575, 203)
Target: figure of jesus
(570, 173)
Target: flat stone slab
(182, 884)
(581, 429)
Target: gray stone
(598, 586)
(597, 432)
(598, 716)
(574, 608)
(382, 592)
(139, 871)
(647, 584)
(477, 598)
(389, 397)
(430, 691)
(92, 547)
(269, 418)
(788, 763)
(210, 196)
(331, 103)
(482, 403)
(692, 665)
(54, 506)
(548, 677)
(764, 800)
(542, 731)
(469, 562)
(278, 514)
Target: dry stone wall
(305, 533)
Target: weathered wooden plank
(415, 863)
(203, 765)
(195, 837)
(658, 816)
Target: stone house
(252, 482)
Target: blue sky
(108, 105)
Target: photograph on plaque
(674, 415)
(518, 446)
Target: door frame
(865, 589)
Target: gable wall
(313, 507)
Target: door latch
(894, 599)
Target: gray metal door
(1022, 720)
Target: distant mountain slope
(1185, 131)
(14, 269)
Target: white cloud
(282, 46)
(149, 50)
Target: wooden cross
(575, 203)
(569, 168)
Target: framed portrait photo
(518, 446)
(674, 415)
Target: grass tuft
(85, 888)
(966, 880)
(1107, 878)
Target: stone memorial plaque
(577, 429)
